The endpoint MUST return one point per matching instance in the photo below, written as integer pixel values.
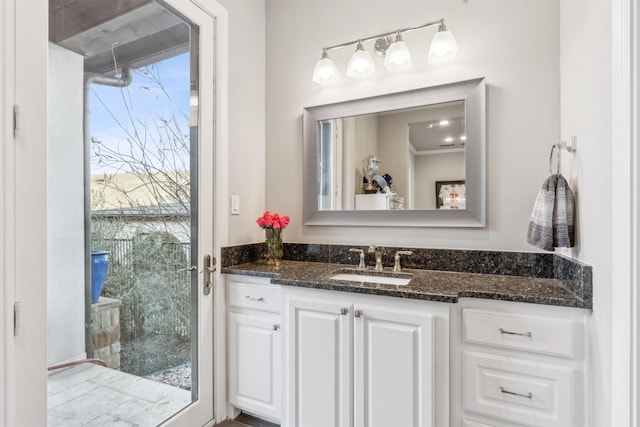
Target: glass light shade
(325, 71)
(443, 47)
(397, 56)
(361, 64)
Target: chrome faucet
(396, 265)
(378, 255)
(361, 265)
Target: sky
(144, 114)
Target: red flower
(273, 221)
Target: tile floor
(92, 395)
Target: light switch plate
(235, 204)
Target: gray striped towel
(551, 224)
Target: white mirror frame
(472, 92)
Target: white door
(255, 364)
(24, 81)
(320, 370)
(394, 363)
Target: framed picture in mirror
(450, 194)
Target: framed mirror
(378, 161)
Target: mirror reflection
(404, 159)
(412, 158)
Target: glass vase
(274, 246)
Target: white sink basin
(386, 280)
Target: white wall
(366, 144)
(351, 175)
(394, 153)
(514, 44)
(65, 205)
(430, 168)
(246, 117)
(585, 70)
(365, 139)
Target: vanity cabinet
(365, 360)
(516, 364)
(254, 346)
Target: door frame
(625, 311)
(23, 82)
(6, 42)
(24, 204)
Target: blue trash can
(99, 267)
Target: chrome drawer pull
(344, 311)
(513, 393)
(250, 298)
(526, 334)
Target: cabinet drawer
(521, 391)
(254, 297)
(537, 334)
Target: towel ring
(554, 147)
(570, 145)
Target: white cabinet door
(254, 364)
(320, 387)
(394, 368)
(364, 362)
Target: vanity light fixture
(392, 47)
(325, 71)
(361, 64)
(443, 46)
(397, 56)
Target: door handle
(208, 269)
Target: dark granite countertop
(430, 285)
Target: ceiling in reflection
(446, 133)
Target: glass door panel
(125, 239)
